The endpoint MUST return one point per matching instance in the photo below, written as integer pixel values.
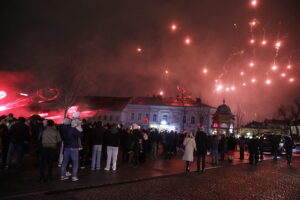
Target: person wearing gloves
(71, 136)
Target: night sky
(94, 43)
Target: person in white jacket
(190, 146)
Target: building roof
(168, 101)
(88, 102)
(224, 109)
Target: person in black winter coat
(202, 147)
(85, 144)
(154, 141)
(222, 147)
(242, 142)
(19, 134)
(275, 145)
(97, 141)
(4, 140)
(126, 143)
(137, 139)
(253, 146)
(112, 141)
(288, 145)
(231, 145)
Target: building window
(154, 117)
(105, 117)
(132, 116)
(192, 120)
(110, 117)
(117, 118)
(165, 117)
(139, 116)
(184, 119)
(147, 115)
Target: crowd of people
(78, 144)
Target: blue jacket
(71, 136)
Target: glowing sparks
(161, 93)
(274, 67)
(139, 49)
(244, 84)
(2, 94)
(24, 94)
(227, 89)
(166, 72)
(268, 81)
(289, 67)
(204, 70)
(253, 3)
(252, 41)
(277, 44)
(264, 42)
(253, 80)
(232, 88)
(291, 80)
(187, 41)
(219, 88)
(242, 73)
(174, 27)
(253, 23)
(251, 64)
(216, 80)
(283, 75)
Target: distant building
(267, 126)
(168, 113)
(157, 111)
(223, 120)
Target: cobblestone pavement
(268, 180)
(26, 181)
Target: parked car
(297, 148)
(268, 139)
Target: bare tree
(70, 84)
(203, 114)
(295, 114)
(239, 116)
(283, 112)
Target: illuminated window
(192, 120)
(132, 116)
(154, 117)
(139, 116)
(184, 119)
(165, 117)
